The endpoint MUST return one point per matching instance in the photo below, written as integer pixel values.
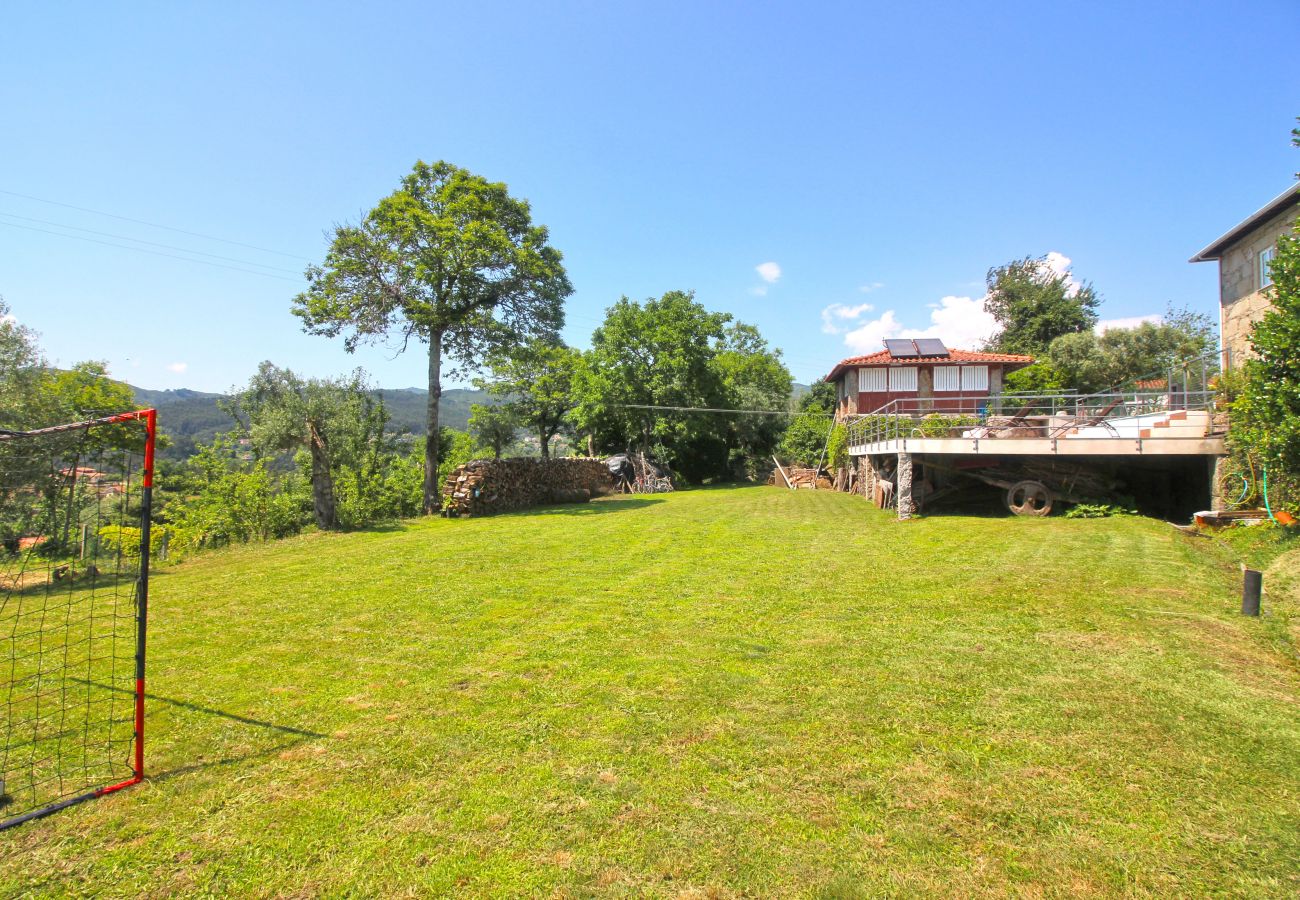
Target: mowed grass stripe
(735, 691)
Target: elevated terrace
(1120, 424)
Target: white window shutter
(902, 379)
(974, 378)
(873, 380)
(947, 378)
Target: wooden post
(85, 537)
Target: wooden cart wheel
(1029, 498)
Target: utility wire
(709, 409)
(124, 237)
(206, 237)
(204, 262)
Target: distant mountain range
(191, 418)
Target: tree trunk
(322, 482)
(546, 443)
(433, 490)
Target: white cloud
(178, 367)
(960, 322)
(1059, 265)
(866, 338)
(1106, 325)
(837, 314)
(768, 271)
(873, 286)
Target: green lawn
(714, 693)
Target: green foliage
(1034, 305)
(450, 259)
(494, 426)
(837, 448)
(802, 443)
(338, 421)
(1097, 511)
(820, 398)
(1266, 415)
(1088, 362)
(1040, 378)
(536, 379)
(672, 352)
(236, 502)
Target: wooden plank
(782, 471)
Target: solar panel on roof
(900, 347)
(930, 347)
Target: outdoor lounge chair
(988, 429)
(1098, 418)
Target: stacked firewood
(801, 477)
(485, 486)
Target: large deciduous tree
(449, 259)
(535, 379)
(1034, 304)
(653, 365)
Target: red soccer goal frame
(150, 419)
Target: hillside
(686, 696)
(191, 418)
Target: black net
(70, 562)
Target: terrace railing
(1049, 416)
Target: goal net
(74, 573)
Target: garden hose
(1268, 508)
(1245, 489)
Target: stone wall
(1242, 302)
(485, 486)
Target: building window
(902, 379)
(872, 381)
(974, 378)
(1265, 257)
(947, 378)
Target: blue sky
(881, 155)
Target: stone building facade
(1243, 254)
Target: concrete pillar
(1218, 472)
(904, 489)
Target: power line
(710, 409)
(203, 262)
(125, 237)
(206, 237)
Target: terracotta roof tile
(884, 358)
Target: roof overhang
(1289, 197)
(858, 362)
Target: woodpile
(801, 477)
(485, 486)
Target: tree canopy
(449, 259)
(536, 380)
(1091, 362)
(335, 420)
(654, 364)
(1035, 304)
